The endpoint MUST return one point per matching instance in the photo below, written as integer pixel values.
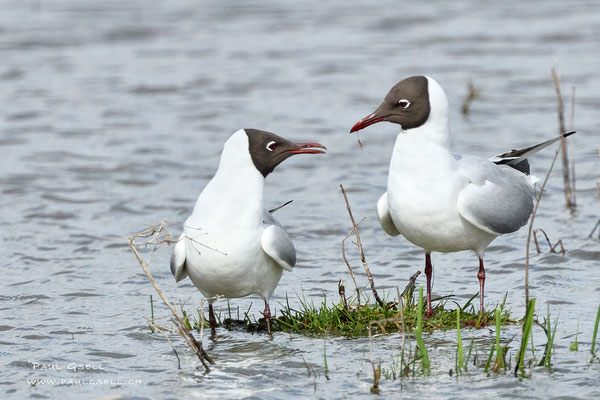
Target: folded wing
(385, 219)
(178, 259)
(496, 199)
(278, 245)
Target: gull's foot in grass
(428, 314)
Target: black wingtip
(568, 134)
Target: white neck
(237, 186)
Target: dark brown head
(268, 150)
(407, 104)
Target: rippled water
(113, 117)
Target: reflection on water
(114, 115)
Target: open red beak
(307, 148)
(366, 121)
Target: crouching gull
(442, 201)
(231, 246)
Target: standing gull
(442, 201)
(231, 246)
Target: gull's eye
(272, 145)
(403, 103)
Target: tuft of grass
(335, 319)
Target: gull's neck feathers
(437, 127)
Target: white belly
(435, 228)
(239, 268)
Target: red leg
(481, 276)
(429, 273)
(267, 315)
(212, 321)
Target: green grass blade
(469, 353)
(419, 331)
(469, 302)
(460, 345)
(595, 335)
(325, 357)
(489, 361)
(526, 332)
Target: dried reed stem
(164, 330)
(594, 230)
(360, 249)
(572, 155)
(472, 94)
(348, 264)
(537, 203)
(552, 248)
(154, 234)
(342, 292)
(410, 286)
(570, 202)
(381, 323)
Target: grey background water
(113, 117)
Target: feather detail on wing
(178, 259)
(515, 157)
(500, 203)
(278, 245)
(385, 219)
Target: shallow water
(114, 115)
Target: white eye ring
(272, 145)
(404, 103)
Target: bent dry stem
(155, 237)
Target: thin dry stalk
(552, 248)
(563, 143)
(594, 230)
(472, 94)
(381, 323)
(409, 287)
(158, 236)
(360, 249)
(164, 330)
(402, 314)
(342, 292)
(537, 203)
(348, 264)
(572, 146)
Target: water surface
(114, 115)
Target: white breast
(422, 196)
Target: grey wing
(385, 219)
(178, 259)
(278, 245)
(498, 201)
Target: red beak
(307, 148)
(366, 121)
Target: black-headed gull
(231, 246)
(442, 201)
